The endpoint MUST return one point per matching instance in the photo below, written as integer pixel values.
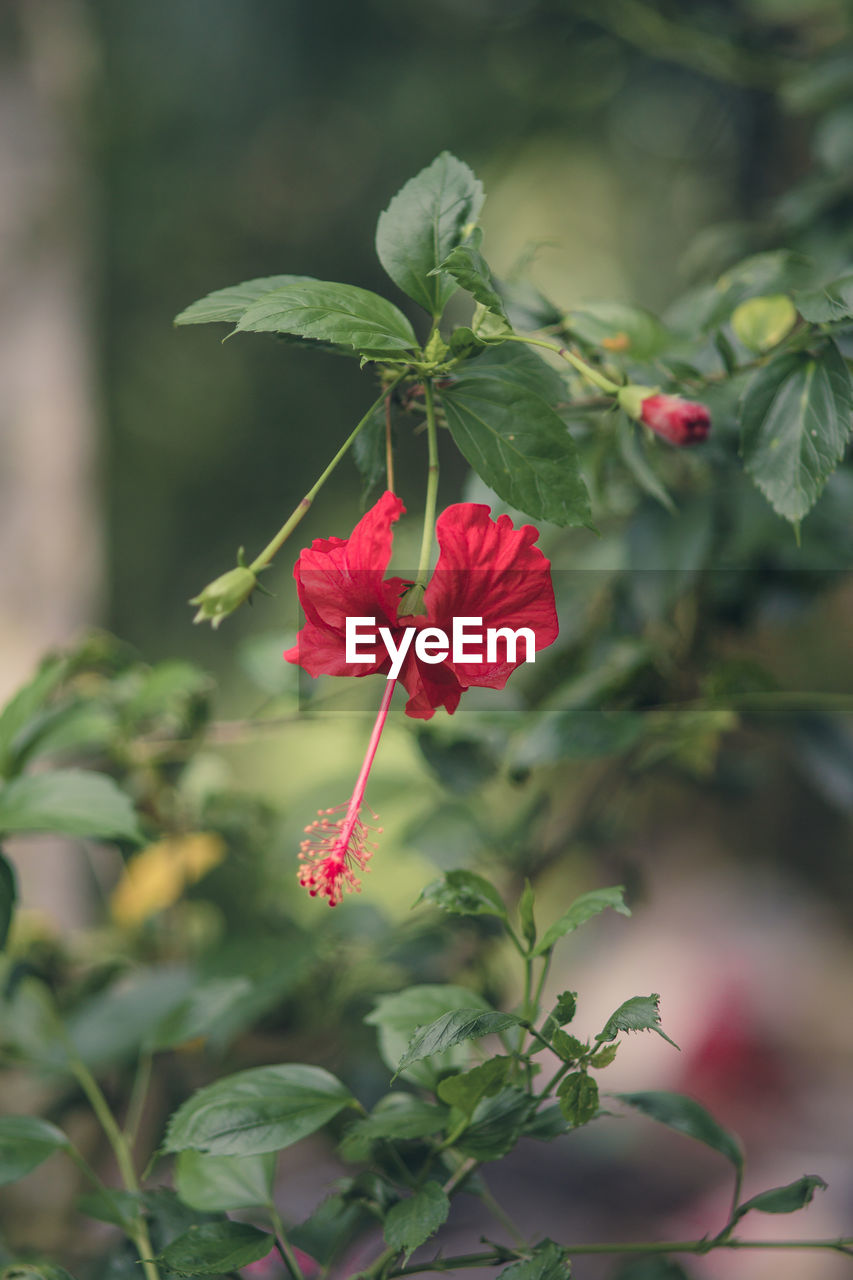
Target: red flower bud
(678, 421)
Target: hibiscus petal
(339, 578)
(429, 687)
(322, 652)
(489, 570)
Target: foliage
(468, 1079)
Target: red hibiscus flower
(486, 569)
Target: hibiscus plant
(559, 413)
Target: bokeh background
(154, 150)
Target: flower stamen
(337, 848)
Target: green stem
(139, 1231)
(498, 1212)
(138, 1094)
(300, 512)
(541, 983)
(585, 370)
(498, 1256)
(536, 1036)
(555, 1080)
(460, 1174)
(526, 1011)
(432, 487)
(284, 1246)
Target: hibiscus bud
(678, 421)
(224, 595)
(412, 602)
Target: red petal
(429, 687)
(339, 578)
(489, 570)
(322, 652)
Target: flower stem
(283, 1244)
(432, 487)
(299, 513)
(373, 744)
(585, 370)
(139, 1232)
(389, 449)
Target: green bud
(436, 349)
(489, 327)
(412, 603)
(224, 595)
(631, 399)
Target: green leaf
(640, 1013)
(23, 708)
(688, 1117)
(550, 1261)
(527, 308)
(582, 909)
(25, 1143)
(369, 455)
(331, 1227)
(120, 1208)
(466, 1090)
(469, 269)
(605, 1056)
(547, 1124)
(516, 441)
(565, 1008)
(219, 1183)
(398, 1115)
(8, 897)
(578, 1095)
(833, 301)
(762, 323)
(496, 1125)
(619, 328)
(214, 1248)
(426, 219)
(263, 1109)
(199, 1014)
(229, 305)
(451, 1029)
(777, 271)
(169, 1217)
(632, 449)
(563, 1012)
(795, 424)
(464, 893)
(399, 1015)
(567, 1047)
(113, 1025)
(339, 313)
(787, 1199)
(526, 367)
(73, 802)
(412, 1221)
(525, 914)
